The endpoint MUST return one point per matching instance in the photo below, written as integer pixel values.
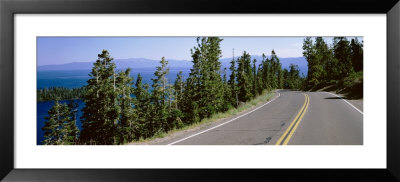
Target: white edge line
(347, 102)
(225, 122)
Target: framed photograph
(106, 91)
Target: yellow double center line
(285, 138)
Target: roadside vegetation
(119, 109)
(263, 98)
(337, 67)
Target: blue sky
(61, 50)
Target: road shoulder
(358, 103)
(181, 134)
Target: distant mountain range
(141, 63)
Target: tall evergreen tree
(342, 52)
(205, 79)
(191, 95)
(313, 74)
(357, 54)
(280, 74)
(323, 58)
(244, 78)
(178, 86)
(227, 92)
(124, 83)
(71, 129)
(60, 127)
(101, 111)
(259, 79)
(160, 96)
(266, 68)
(232, 83)
(287, 81)
(254, 78)
(275, 71)
(143, 126)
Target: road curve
(329, 121)
(323, 119)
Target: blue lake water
(78, 78)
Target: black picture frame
(9, 8)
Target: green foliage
(244, 78)
(143, 127)
(101, 112)
(265, 73)
(178, 87)
(357, 54)
(353, 85)
(123, 84)
(342, 52)
(276, 77)
(354, 78)
(331, 65)
(259, 80)
(292, 79)
(118, 110)
(159, 98)
(337, 67)
(60, 93)
(202, 95)
(60, 127)
(233, 84)
(227, 93)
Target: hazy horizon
(189, 60)
(63, 50)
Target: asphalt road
(293, 118)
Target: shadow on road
(335, 98)
(344, 97)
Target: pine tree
(124, 84)
(71, 130)
(292, 77)
(191, 94)
(52, 127)
(101, 111)
(60, 127)
(265, 73)
(232, 83)
(269, 74)
(276, 79)
(295, 76)
(259, 79)
(203, 96)
(178, 86)
(176, 114)
(287, 84)
(280, 74)
(160, 96)
(313, 69)
(227, 92)
(244, 75)
(323, 57)
(342, 52)
(254, 78)
(357, 54)
(143, 126)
